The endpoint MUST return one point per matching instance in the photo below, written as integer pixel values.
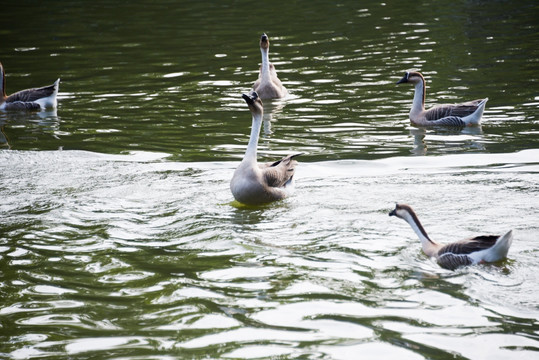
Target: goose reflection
(470, 137)
(420, 146)
(271, 108)
(24, 127)
(4, 140)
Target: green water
(126, 243)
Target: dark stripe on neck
(3, 92)
(424, 88)
(418, 223)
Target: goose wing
(30, 95)
(278, 173)
(460, 110)
(452, 261)
(460, 253)
(469, 246)
(20, 105)
(448, 121)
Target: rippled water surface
(120, 238)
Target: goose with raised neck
(464, 114)
(29, 99)
(268, 85)
(253, 183)
(479, 249)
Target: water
(120, 238)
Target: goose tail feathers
(475, 118)
(50, 101)
(500, 249)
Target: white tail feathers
(50, 101)
(500, 249)
(475, 118)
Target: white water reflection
(314, 274)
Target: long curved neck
(265, 69)
(429, 246)
(419, 97)
(250, 153)
(2, 82)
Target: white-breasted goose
(29, 99)
(268, 85)
(465, 114)
(484, 248)
(253, 183)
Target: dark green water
(168, 77)
(126, 244)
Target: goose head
(254, 103)
(411, 77)
(264, 42)
(401, 211)
(406, 213)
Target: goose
(484, 248)
(268, 85)
(253, 183)
(29, 99)
(465, 114)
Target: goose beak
(264, 41)
(393, 212)
(250, 99)
(247, 99)
(404, 79)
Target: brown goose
(268, 85)
(30, 99)
(485, 248)
(465, 114)
(254, 183)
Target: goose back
(31, 95)
(448, 110)
(469, 246)
(279, 173)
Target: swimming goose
(465, 114)
(29, 99)
(254, 183)
(268, 85)
(485, 248)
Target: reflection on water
(271, 111)
(177, 88)
(131, 256)
(29, 128)
(4, 140)
(133, 248)
(420, 147)
(467, 139)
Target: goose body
(29, 99)
(465, 114)
(484, 248)
(254, 183)
(268, 85)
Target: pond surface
(120, 238)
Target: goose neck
(2, 82)
(429, 246)
(250, 153)
(419, 97)
(265, 70)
